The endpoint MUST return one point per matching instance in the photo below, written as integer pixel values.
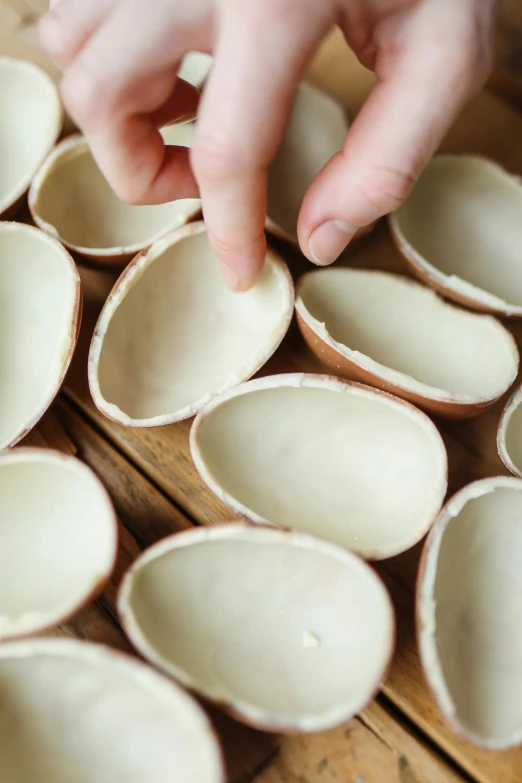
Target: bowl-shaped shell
(172, 335)
(71, 200)
(195, 68)
(341, 461)
(84, 712)
(40, 309)
(393, 333)
(315, 132)
(30, 122)
(58, 539)
(460, 232)
(469, 612)
(287, 632)
(509, 436)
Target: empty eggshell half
(84, 712)
(40, 304)
(469, 611)
(71, 200)
(172, 335)
(58, 539)
(315, 132)
(460, 232)
(341, 461)
(30, 122)
(393, 333)
(287, 632)
(509, 437)
(195, 68)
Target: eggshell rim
(255, 717)
(514, 401)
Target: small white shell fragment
(469, 611)
(195, 68)
(58, 539)
(333, 459)
(30, 122)
(391, 332)
(40, 305)
(207, 605)
(71, 200)
(509, 436)
(172, 335)
(82, 712)
(460, 231)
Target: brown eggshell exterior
(422, 273)
(346, 368)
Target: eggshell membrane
(315, 132)
(460, 232)
(195, 68)
(509, 437)
(31, 121)
(287, 632)
(71, 200)
(84, 712)
(470, 612)
(388, 331)
(40, 306)
(353, 465)
(58, 539)
(172, 335)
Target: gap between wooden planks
(372, 748)
(163, 454)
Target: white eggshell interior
(462, 222)
(315, 132)
(39, 295)
(195, 68)
(471, 612)
(288, 631)
(57, 539)
(354, 466)
(71, 199)
(172, 334)
(510, 434)
(405, 333)
(30, 122)
(78, 712)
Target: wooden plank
(163, 453)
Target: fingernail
(231, 278)
(329, 240)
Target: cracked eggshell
(315, 132)
(40, 313)
(58, 539)
(30, 122)
(344, 462)
(71, 200)
(84, 712)
(393, 333)
(469, 612)
(195, 68)
(509, 436)
(172, 335)
(460, 232)
(284, 631)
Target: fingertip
(241, 267)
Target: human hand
(120, 59)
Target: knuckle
(86, 96)
(215, 159)
(386, 188)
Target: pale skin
(120, 59)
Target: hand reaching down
(121, 57)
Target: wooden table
(400, 738)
